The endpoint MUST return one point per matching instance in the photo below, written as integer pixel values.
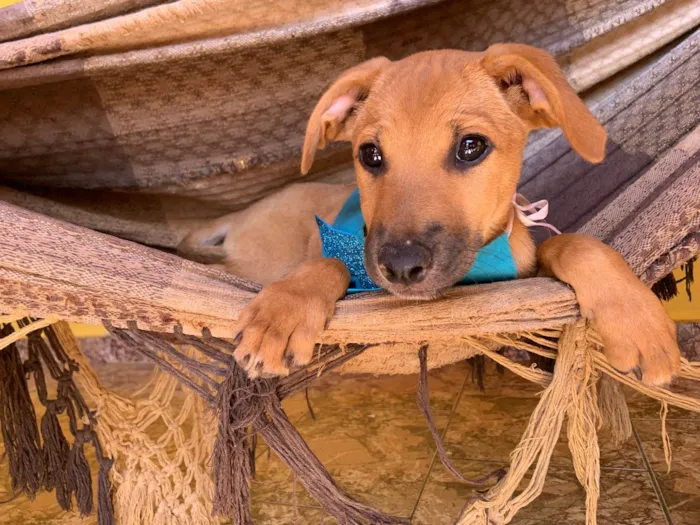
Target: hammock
(121, 134)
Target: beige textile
(221, 119)
(160, 482)
(166, 481)
(189, 139)
(604, 56)
(85, 276)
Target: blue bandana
(345, 240)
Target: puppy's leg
(636, 331)
(281, 325)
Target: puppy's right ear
(332, 116)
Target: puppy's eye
(471, 148)
(370, 156)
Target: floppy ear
(332, 117)
(539, 93)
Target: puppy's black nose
(404, 262)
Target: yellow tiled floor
(371, 436)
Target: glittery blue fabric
(345, 240)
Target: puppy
(437, 140)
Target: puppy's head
(437, 140)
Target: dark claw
(288, 359)
(245, 360)
(237, 339)
(637, 371)
(259, 366)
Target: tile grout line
(652, 478)
(442, 437)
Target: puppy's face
(437, 143)
(437, 154)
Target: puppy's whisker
(495, 255)
(518, 240)
(485, 271)
(490, 268)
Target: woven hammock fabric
(196, 102)
(199, 128)
(237, 105)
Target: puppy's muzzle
(406, 262)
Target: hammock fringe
(40, 456)
(583, 390)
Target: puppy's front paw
(637, 334)
(280, 328)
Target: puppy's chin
(406, 292)
(431, 288)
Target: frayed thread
(18, 422)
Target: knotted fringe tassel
(243, 404)
(287, 443)
(53, 465)
(584, 418)
(478, 364)
(238, 408)
(105, 507)
(689, 276)
(614, 413)
(665, 438)
(571, 389)
(20, 432)
(78, 476)
(666, 288)
(56, 451)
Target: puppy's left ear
(537, 90)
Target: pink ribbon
(529, 214)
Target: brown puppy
(438, 139)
